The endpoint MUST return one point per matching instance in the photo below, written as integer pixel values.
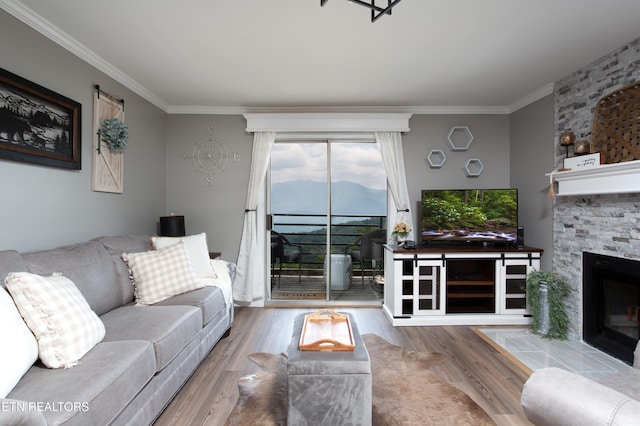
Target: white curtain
(250, 279)
(390, 144)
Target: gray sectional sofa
(147, 354)
(552, 396)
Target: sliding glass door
(327, 204)
(298, 212)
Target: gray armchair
(553, 396)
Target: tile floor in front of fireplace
(536, 352)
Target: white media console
(457, 285)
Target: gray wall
(428, 132)
(44, 207)
(216, 209)
(532, 144)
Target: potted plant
(400, 231)
(114, 133)
(555, 289)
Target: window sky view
(353, 162)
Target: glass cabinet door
(421, 287)
(514, 276)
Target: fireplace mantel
(619, 178)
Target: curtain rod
(97, 87)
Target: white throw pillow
(197, 250)
(20, 348)
(58, 315)
(160, 274)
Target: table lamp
(172, 226)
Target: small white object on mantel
(580, 162)
(618, 178)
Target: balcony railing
(309, 232)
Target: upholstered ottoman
(328, 388)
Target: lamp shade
(172, 226)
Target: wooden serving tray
(326, 330)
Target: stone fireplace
(600, 224)
(607, 225)
(611, 308)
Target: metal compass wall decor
(209, 157)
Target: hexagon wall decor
(436, 158)
(473, 167)
(459, 138)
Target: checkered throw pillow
(58, 315)
(158, 275)
(197, 250)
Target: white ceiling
(256, 55)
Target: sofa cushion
(88, 265)
(553, 396)
(125, 244)
(110, 376)
(209, 300)
(20, 413)
(10, 261)
(20, 346)
(160, 274)
(197, 250)
(58, 315)
(168, 328)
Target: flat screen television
(470, 215)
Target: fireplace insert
(611, 309)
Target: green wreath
(115, 133)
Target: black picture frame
(38, 125)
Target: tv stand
(458, 284)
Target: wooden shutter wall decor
(108, 166)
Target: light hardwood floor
(476, 367)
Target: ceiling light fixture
(376, 11)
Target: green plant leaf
(558, 291)
(115, 134)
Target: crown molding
(206, 110)
(430, 110)
(38, 23)
(453, 110)
(44, 27)
(545, 90)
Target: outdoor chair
(282, 251)
(367, 250)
